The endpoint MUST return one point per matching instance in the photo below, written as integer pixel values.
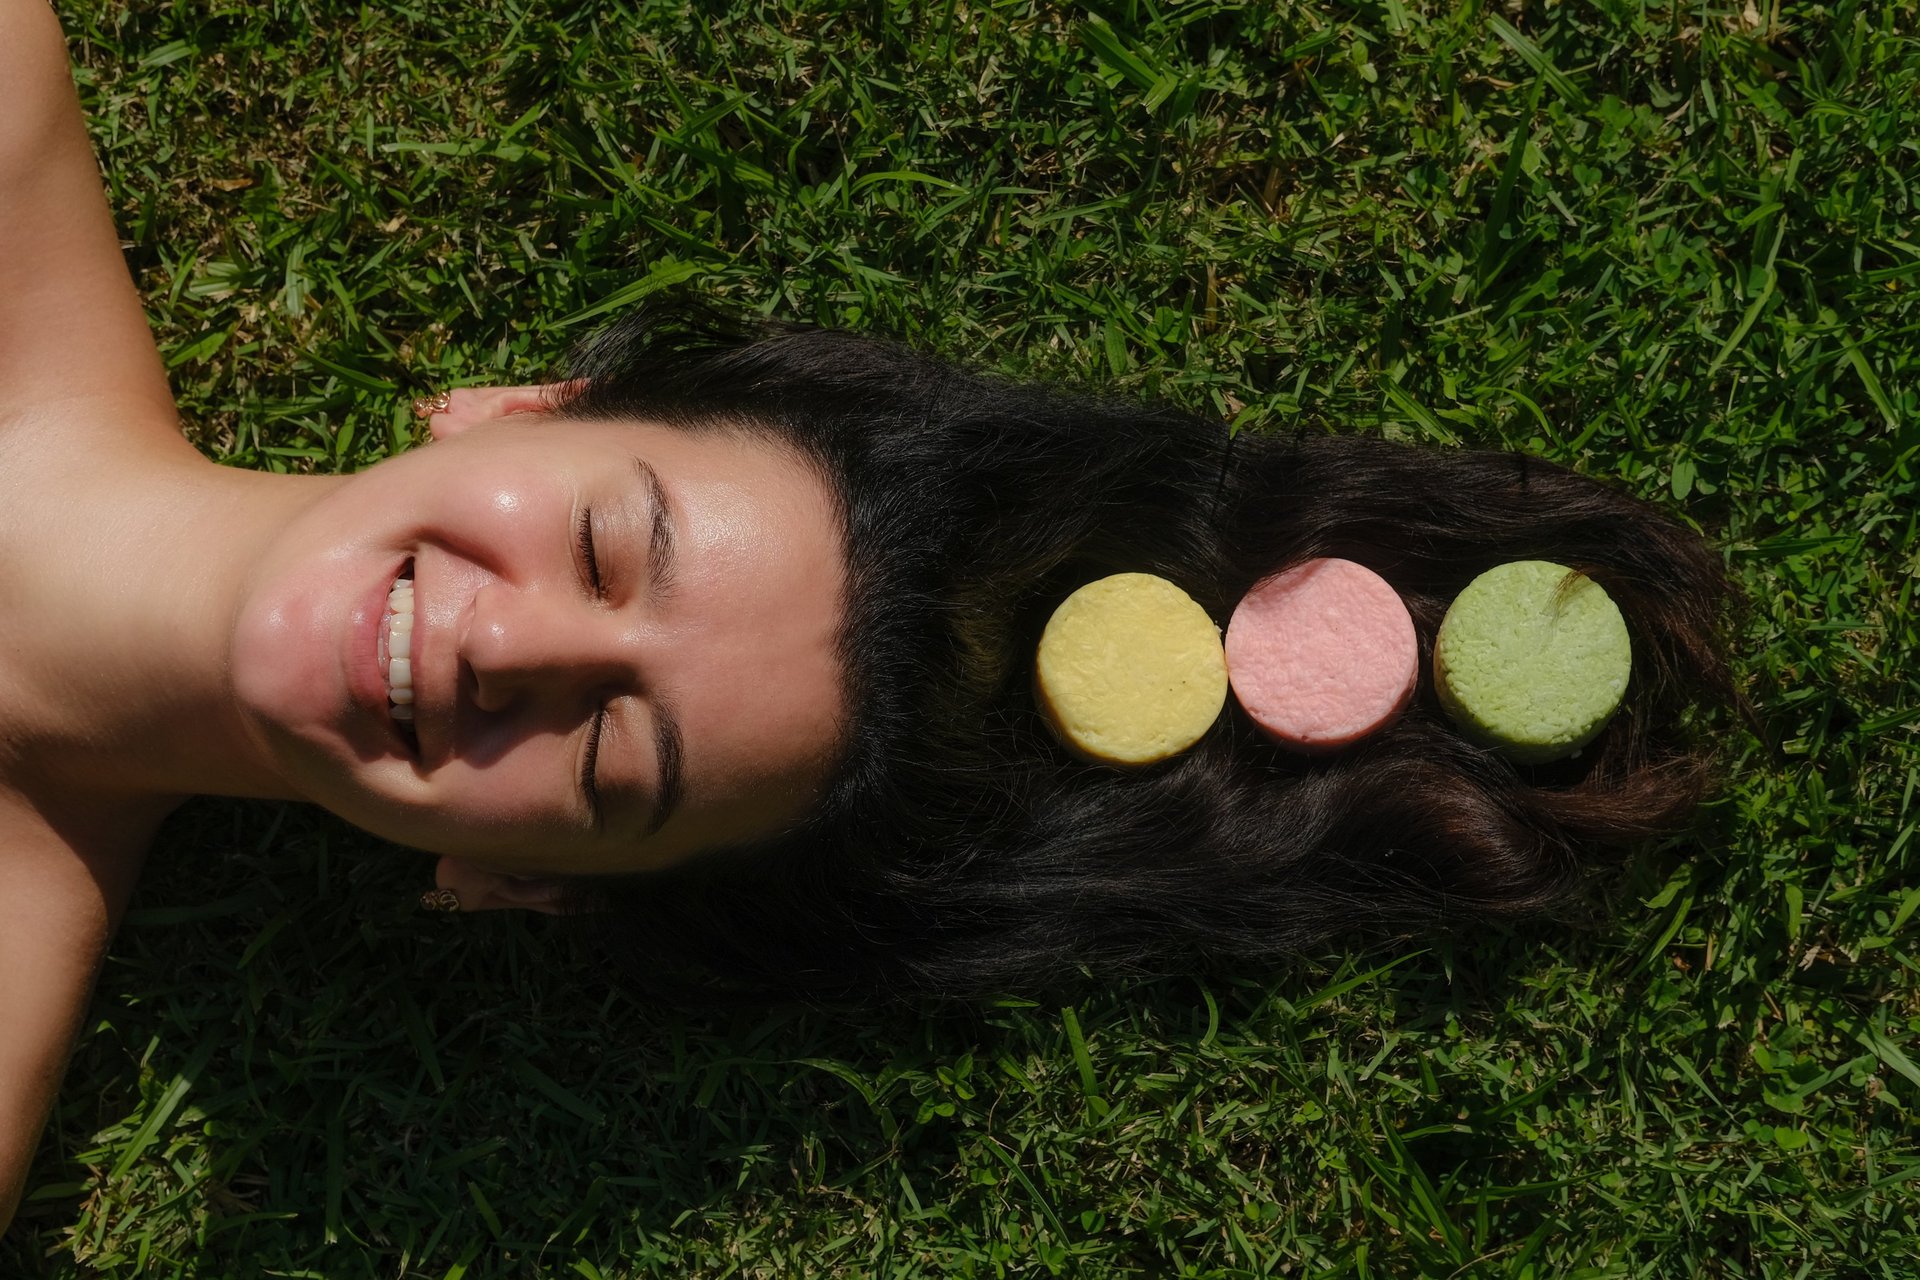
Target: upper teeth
(396, 649)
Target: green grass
(1673, 246)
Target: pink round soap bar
(1322, 654)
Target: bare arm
(71, 324)
(58, 908)
(72, 335)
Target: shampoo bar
(1130, 670)
(1322, 655)
(1532, 659)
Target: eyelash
(587, 784)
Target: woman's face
(622, 650)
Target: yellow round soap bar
(1130, 670)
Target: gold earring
(440, 900)
(426, 406)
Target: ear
(483, 890)
(469, 406)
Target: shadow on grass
(289, 1066)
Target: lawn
(1675, 247)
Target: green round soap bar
(1532, 659)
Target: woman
(582, 606)
(721, 648)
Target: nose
(526, 645)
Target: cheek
(484, 510)
(500, 493)
(522, 792)
(513, 803)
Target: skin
(176, 628)
(515, 649)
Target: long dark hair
(960, 851)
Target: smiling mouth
(395, 652)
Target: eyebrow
(669, 745)
(670, 748)
(662, 548)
